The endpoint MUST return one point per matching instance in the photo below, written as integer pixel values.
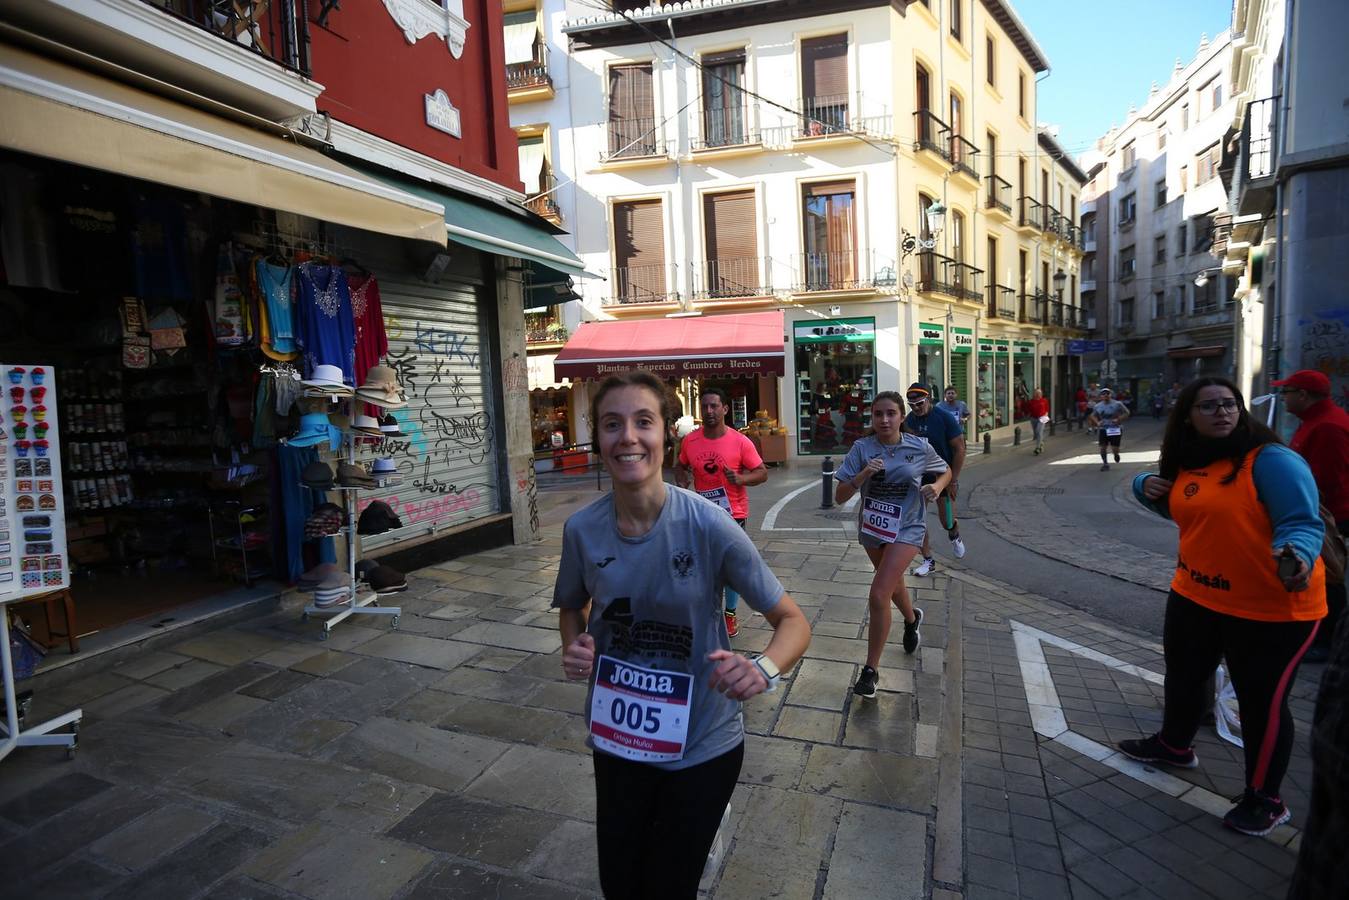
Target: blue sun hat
(314, 430)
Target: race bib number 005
(639, 713)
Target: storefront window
(1001, 364)
(549, 415)
(932, 357)
(835, 363)
(1023, 382)
(984, 392)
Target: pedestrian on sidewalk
(1322, 439)
(1249, 586)
(1038, 407)
(948, 439)
(723, 462)
(886, 465)
(1108, 416)
(1083, 404)
(663, 704)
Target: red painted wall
(376, 81)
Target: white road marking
(1047, 717)
(770, 519)
(1094, 459)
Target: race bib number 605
(640, 713)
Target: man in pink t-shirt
(724, 462)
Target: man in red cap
(1323, 440)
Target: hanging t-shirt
(326, 332)
(711, 457)
(276, 287)
(372, 343)
(159, 250)
(657, 604)
(891, 508)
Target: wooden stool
(47, 600)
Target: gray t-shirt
(1108, 412)
(657, 600)
(905, 464)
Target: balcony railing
(932, 134)
(531, 74)
(1049, 220)
(998, 190)
(633, 139)
(726, 126)
(1259, 136)
(642, 284)
(1055, 313)
(824, 115)
(729, 279)
(964, 156)
(278, 30)
(1033, 307)
(843, 270)
(544, 328)
(1002, 302)
(1031, 212)
(545, 201)
(965, 278)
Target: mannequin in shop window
(851, 406)
(825, 436)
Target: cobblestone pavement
(446, 759)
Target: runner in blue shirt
(948, 438)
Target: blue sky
(1106, 55)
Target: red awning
(1196, 352)
(742, 344)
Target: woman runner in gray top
(648, 561)
(886, 466)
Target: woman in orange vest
(1249, 586)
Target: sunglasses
(916, 398)
(1210, 407)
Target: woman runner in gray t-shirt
(886, 466)
(649, 561)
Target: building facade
(1288, 160)
(1162, 301)
(741, 158)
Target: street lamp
(1201, 279)
(936, 221)
(1059, 279)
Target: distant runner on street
(948, 439)
(886, 466)
(952, 403)
(1107, 416)
(723, 462)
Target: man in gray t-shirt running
(1108, 416)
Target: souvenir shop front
(836, 380)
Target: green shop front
(835, 382)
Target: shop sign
(441, 114)
(831, 331)
(1024, 348)
(1078, 346)
(929, 333)
(962, 340)
(678, 368)
(1002, 346)
(986, 347)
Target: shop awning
(743, 344)
(499, 232)
(57, 111)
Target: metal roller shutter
(439, 346)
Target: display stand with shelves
(358, 603)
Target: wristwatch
(769, 669)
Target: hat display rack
(358, 602)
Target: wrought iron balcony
(633, 139)
(998, 190)
(1031, 213)
(1055, 313)
(1033, 307)
(843, 270)
(734, 278)
(533, 74)
(932, 134)
(825, 115)
(726, 126)
(642, 284)
(1049, 220)
(964, 155)
(965, 278)
(544, 202)
(277, 30)
(544, 328)
(1002, 302)
(1259, 136)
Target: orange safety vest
(1226, 540)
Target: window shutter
(732, 243)
(639, 245)
(630, 92)
(824, 66)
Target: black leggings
(654, 827)
(1262, 658)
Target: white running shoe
(958, 546)
(926, 568)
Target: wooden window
(824, 83)
(1021, 177)
(1128, 209)
(632, 111)
(1206, 165)
(724, 112)
(830, 235)
(1021, 94)
(1128, 263)
(990, 61)
(992, 154)
(1159, 251)
(731, 244)
(639, 251)
(958, 237)
(1159, 198)
(956, 22)
(1129, 156)
(1158, 304)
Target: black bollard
(827, 483)
(1016, 436)
(988, 443)
(1051, 427)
